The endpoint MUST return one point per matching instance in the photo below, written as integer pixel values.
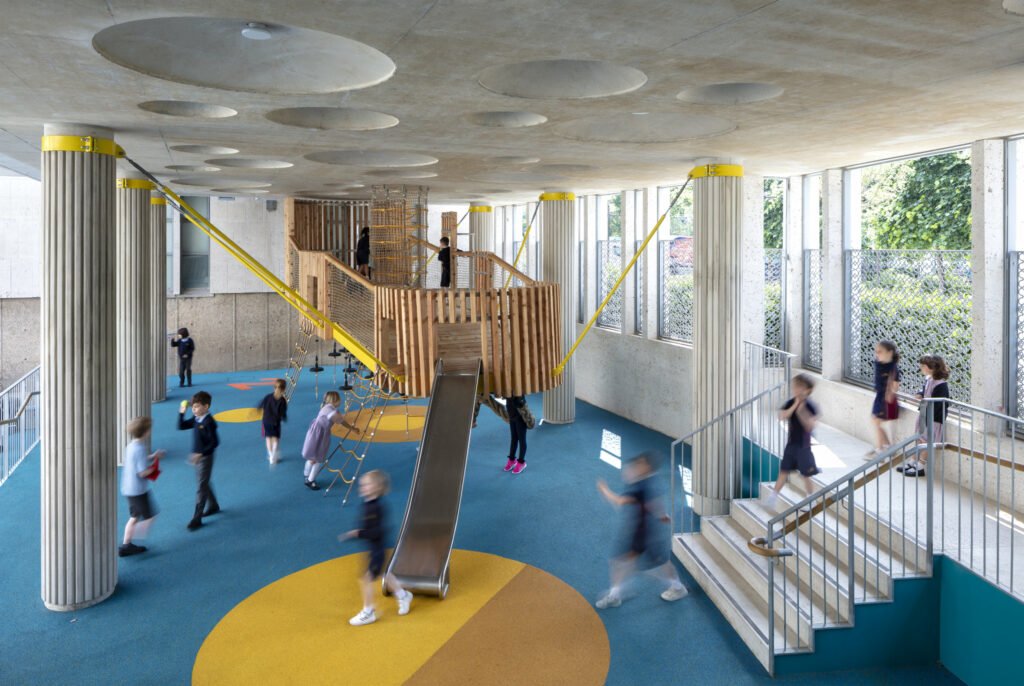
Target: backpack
(527, 416)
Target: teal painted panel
(981, 628)
(759, 466)
(903, 632)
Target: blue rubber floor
(168, 600)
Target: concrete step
(737, 600)
(794, 605)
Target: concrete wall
(646, 381)
(19, 338)
(258, 231)
(21, 237)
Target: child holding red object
(138, 467)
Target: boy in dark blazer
(204, 442)
(186, 348)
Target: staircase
(813, 587)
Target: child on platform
(802, 415)
(363, 252)
(204, 442)
(373, 486)
(139, 466)
(318, 437)
(935, 372)
(275, 411)
(887, 384)
(444, 258)
(646, 539)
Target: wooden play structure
(402, 317)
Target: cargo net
(397, 227)
(293, 267)
(352, 305)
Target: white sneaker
(673, 593)
(403, 603)
(608, 600)
(364, 617)
(870, 455)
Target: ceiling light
(641, 113)
(256, 31)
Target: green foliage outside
(920, 204)
(615, 216)
(677, 304)
(774, 215)
(680, 217)
(610, 269)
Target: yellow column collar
(557, 196)
(481, 208)
(81, 144)
(136, 185)
(716, 170)
(158, 201)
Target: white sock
(314, 470)
(614, 591)
(305, 471)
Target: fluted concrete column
(134, 344)
(481, 227)
(558, 265)
(79, 440)
(158, 296)
(717, 338)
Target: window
(812, 228)
(169, 235)
(1015, 227)
(195, 250)
(774, 262)
(675, 263)
(909, 265)
(609, 258)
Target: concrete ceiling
(605, 94)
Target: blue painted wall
(981, 628)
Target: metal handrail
(21, 410)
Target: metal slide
(424, 548)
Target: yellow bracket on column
(481, 208)
(716, 170)
(137, 185)
(158, 201)
(81, 144)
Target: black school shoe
(130, 549)
(311, 485)
(915, 470)
(194, 524)
(212, 511)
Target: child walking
(318, 437)
(887, 384)
(935, 372)
(275, 411)
(186, 350)
(515, 406)
(204, 442)
(139, 466)
(802, 415)
(647, 538)
(373, 486)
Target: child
(935, 371)
(204, 442)
(517, 429)
(444, 257)
(887, 384)
(318, 437)
(138, 466)
(802, 415)
(372, 487)
(647, 539)
(275, 411)
(186, 348)
(363, 252)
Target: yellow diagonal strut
(697, 172)
(290, 295)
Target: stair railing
(20, 415)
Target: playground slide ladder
(298, 357)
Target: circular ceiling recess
(250, 163)
(192, 168)
(239, 191)
(205, 149)
(651, 128)
(570, 79)
(730, 93)
(332, 118)
(207, 181)
(371, 158)
(514, 159)
(399, 174)
(184, 108)
(517, 177)
(508, 120)
(343, 186)
(564, 168)
(213, 52)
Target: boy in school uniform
(204, 442)
(444, 257)
(186, 349)
(802, 415)
(138, 467)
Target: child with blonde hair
(373, 486)
(138, 468)
(318, 437)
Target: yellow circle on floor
(276, 634)
(392, 425)
(240, 415)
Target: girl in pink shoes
(935, 373)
